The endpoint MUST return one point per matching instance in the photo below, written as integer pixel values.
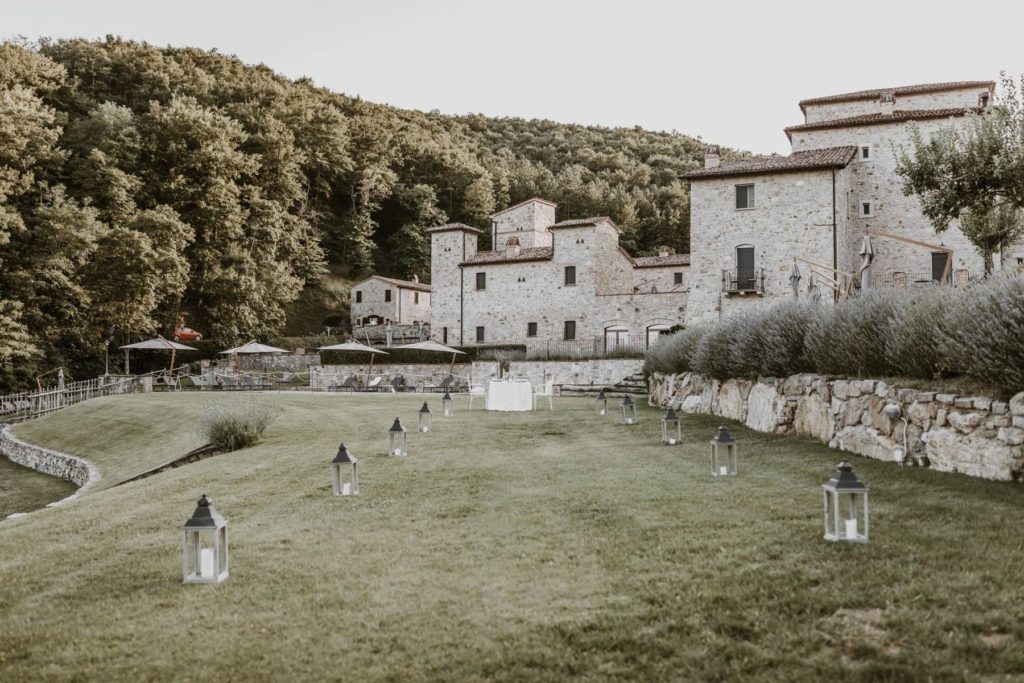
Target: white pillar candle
(206, 563)
(671, 442)
(398, 451)
(424, 429)
(346, 489)
(602, 411)
(851, 528)
(723, 470)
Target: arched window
(615, 336)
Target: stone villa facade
(380, 300)
(753, 219)
(551, 281)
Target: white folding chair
(476, 391)
(546, 391)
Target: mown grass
(23, 490)
(512, 547)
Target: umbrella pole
(170, 371)
(451, 366)
(370, 371)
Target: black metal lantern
(724, 455)
(447, 404)
(344, 474)
(628, 410)
(204, 545)
(846, 506)
(671, 429)
(398, 444)
(425, 419)
(602, 403)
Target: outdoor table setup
(510, 395)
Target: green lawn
(507, 547)
(23, 490)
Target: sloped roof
(807, 160)
(661, 261)
(879, 118)
(580, 222)
(447, 227)
(900, 90)
(402, 284)
(525, 254)
(523, 203)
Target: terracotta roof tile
(404, 284)
(828, 157)
(522, 203)
(525, 254)
(447, 227)
(901, 90)
(576, 222)
(880, 118)
(661, 261)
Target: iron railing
(16, 407)
(568, 349)
(901, 279)
(743, 280)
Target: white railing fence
(26, 405)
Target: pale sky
(730, 72)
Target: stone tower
(450, 245)
(528, 221)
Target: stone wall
(974, 435)
(77, 470)
(828, 111)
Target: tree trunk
(987, 255)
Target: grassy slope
(514, 547)
(22, 489)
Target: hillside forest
(141, 185)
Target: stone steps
(634, 385)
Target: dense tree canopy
(138, 184)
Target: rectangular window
(415, 297)
(531, 329)
(570, 329)
(481, 281)
(745, 196)
(940, 261)
(866, 209)
(570, 275)
(865, 152)
(480, 333)
(387, 295)
(746, 274)
(677, 278)
(444, 335)
(359, 297)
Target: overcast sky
(730, 72)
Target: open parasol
(436, 347)
(356, 347)
(156, 344)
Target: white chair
(477, 391)
(546, 391)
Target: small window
(570, 275)
(444, 335)
(359, 297)
(570, 329)
(481, 281)
(866, 209)
(531, 329)
(387, 295)
(865, 153)
(480, 333)
(415, 297)
(677, 278)
(745, 196)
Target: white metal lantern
(846, 506)
(398, 444)
(425, 419)
(447, 404)
(628, 410)
(344, 474)
(671, 429)
(602, 403)
(724, 455)
(204, 545)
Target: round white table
(510, 396)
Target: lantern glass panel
(205, 555)
(447, 406)
(846, 516)
(345, 478)
(425, 422)
(671, 431)
(397, 444)
(602, 405)
(629, 413)
(724, 459)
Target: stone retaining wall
(77, 470)
(974, 435)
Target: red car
(187, 334)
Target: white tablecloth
(509, 396)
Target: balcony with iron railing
(742, 281)
(901, 279)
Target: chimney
(662, 251)
(512, 246)
(887, 102)
(711, 159)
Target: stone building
(551, 281)
(753, 220)
(380, 300)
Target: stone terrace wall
(82, 472)
(974, 435)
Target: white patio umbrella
(254, 348)
(352, 346)
(436, 348)
(794, 280)
(867, 255)
(813, 291)
(156, 344)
